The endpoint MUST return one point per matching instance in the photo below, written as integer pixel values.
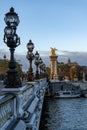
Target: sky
(48, 23)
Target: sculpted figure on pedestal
(53, 51)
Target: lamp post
(43, 72)
(30, 57)
(12, 41)
(37, 64)
(44, 69)
(40, 66)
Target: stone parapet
(21, 107)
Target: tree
(19, 68)
(48, 70)
(63, 70)
(4, 68)
(76, 70)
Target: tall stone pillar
(53, 64)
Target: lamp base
(12, 79)
(30, 76)
(37, 76)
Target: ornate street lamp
(44, 70)
(37, 64)
(43, 65)
(46, 74)
(4, 57)
(12, 41)
(30, 57)
(40, 66)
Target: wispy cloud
(44, 53)
(63, 55)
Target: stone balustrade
(7, 110)
(21, 107)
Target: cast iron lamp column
(40, 62)
(43, 70)
(37, 64)
(12, 41)
(40, 66)
(30, 57)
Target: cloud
(44, 53)
(79, 57)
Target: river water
(65, 114)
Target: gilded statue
(53, 51)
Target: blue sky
(48, 23)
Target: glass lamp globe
(37, 55)
(30, 46)
(40, 61)
(11, 18)
(8, 31)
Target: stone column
(53, 67)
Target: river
(65, 114)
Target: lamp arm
(18, 41)
(5, 39)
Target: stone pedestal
(53, 67)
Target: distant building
(71, 63)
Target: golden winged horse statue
(53, 50)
